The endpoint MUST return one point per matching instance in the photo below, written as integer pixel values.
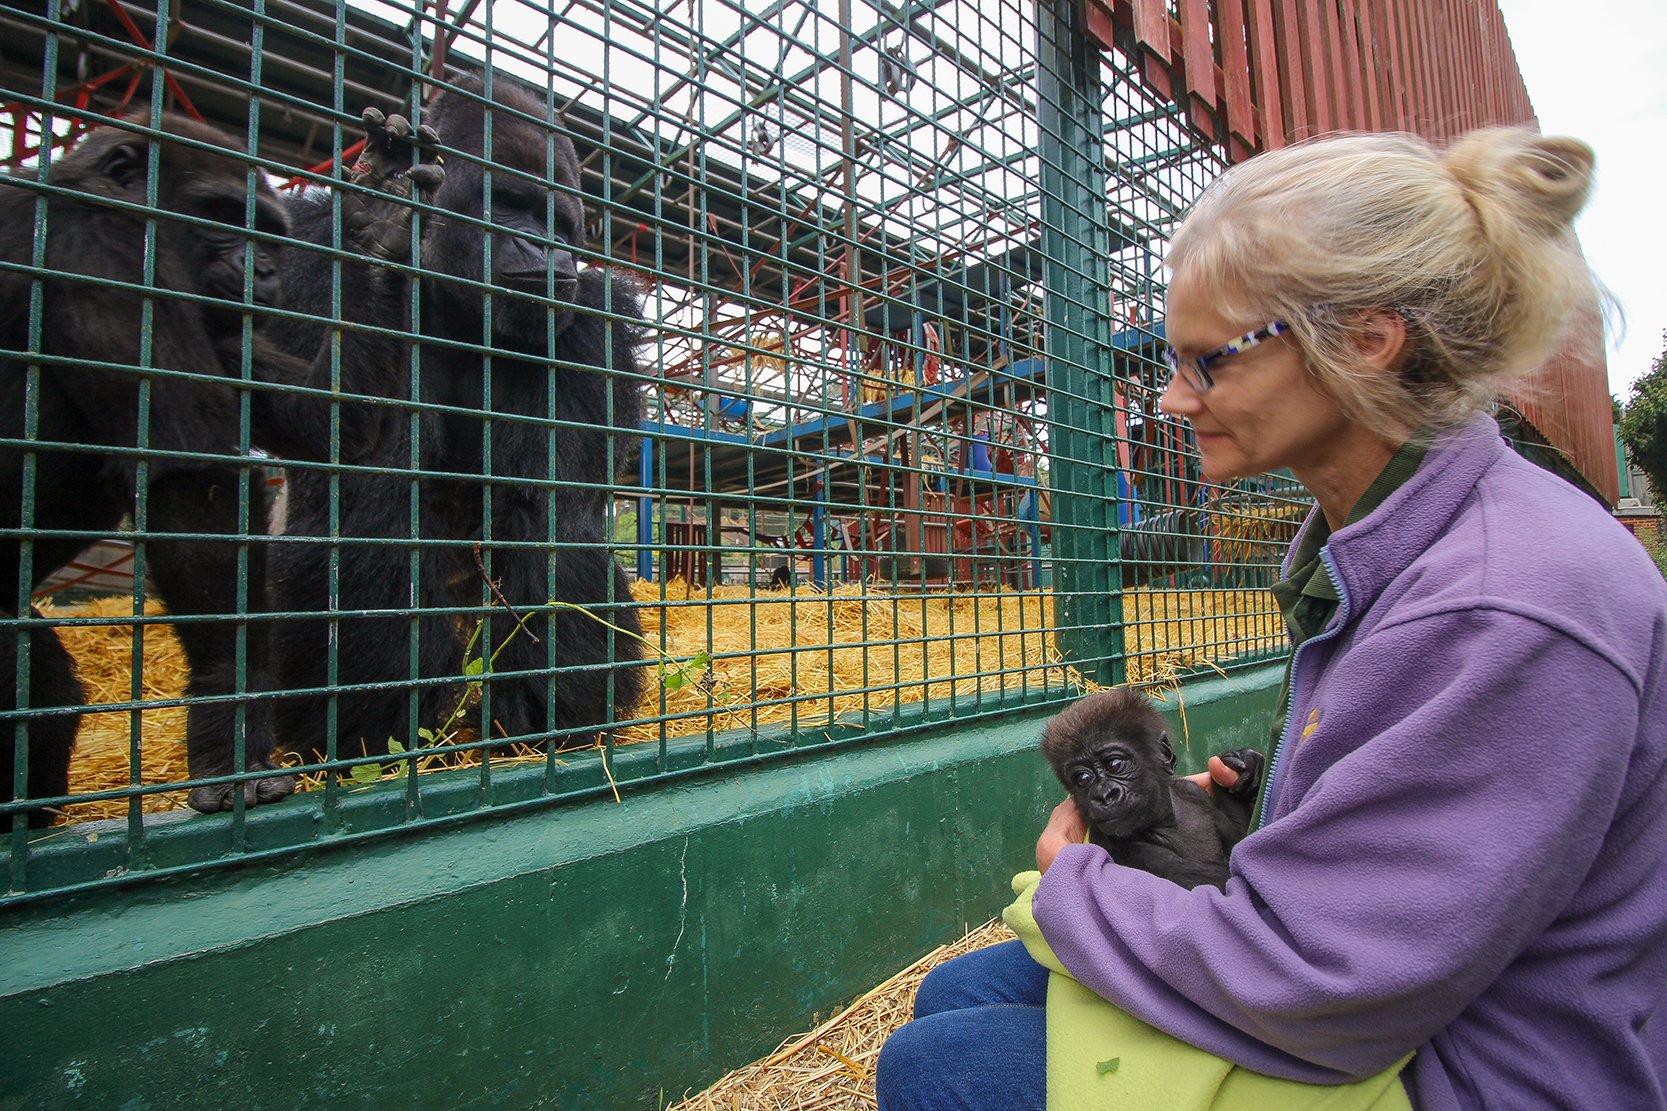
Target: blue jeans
(978, 1041)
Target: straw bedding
(831, 1068)
(775, 659)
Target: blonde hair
(1473, 247)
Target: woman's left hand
(1065, 827)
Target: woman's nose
(1178, 398)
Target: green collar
(1307, 597)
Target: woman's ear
(1381, 339)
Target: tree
(1643, 425)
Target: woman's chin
(1219, 469)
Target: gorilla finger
(427, 135)
(398, 126)
(373, 119)
(427, 176)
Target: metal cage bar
(883, 280)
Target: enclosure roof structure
(276, 79)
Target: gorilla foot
(220, 796)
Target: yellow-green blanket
(1101, 1059)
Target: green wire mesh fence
(639, 388)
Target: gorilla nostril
(268, 289)
(538, 281)
(528, 280)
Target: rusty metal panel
(1467, 76)
(1235, 73)
(1436, 67)
(1264, 66)
(1288, 37)
(1362, 84)
(1391, 19)
(1490, 79)
(1494, 90)
(1197, 54)
(1375, 56)
(1433, 43)
(1515, 103)
(1569, 404)
(1436, 74)
(1312, 37)
(1406, 37)
(1458, 114)
(1476, 89)
(1151, 27)
(1097, 22)
(1343, 97)
(1415, 37)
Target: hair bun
(1539, 182)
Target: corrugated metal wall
(1257, 74)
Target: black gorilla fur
(1112, 753)
(511, 507)
(86, 489)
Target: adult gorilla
(186, 482)
(111, 426)
(487, 474)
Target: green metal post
(1076, 249)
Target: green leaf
(674, 680)
(366, 773)
(475, 666)
(394, 746)
(1109, 1066)
(427, 735)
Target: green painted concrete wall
(596, 955)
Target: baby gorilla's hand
(1238, 771)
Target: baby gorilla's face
(1121, 784)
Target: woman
(1463, 849)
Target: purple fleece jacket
(1466, 845)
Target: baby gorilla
(1111, 751)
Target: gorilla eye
(221, 209)
(1118, 764)
(1082, 777)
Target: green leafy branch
(675, 673)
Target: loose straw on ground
(831, 1068)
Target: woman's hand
(1218, 775)
(1065, 827)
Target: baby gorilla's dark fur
(1112, 753)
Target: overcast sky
(1597, 69)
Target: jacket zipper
(1296, 658)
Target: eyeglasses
(1196, 368)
